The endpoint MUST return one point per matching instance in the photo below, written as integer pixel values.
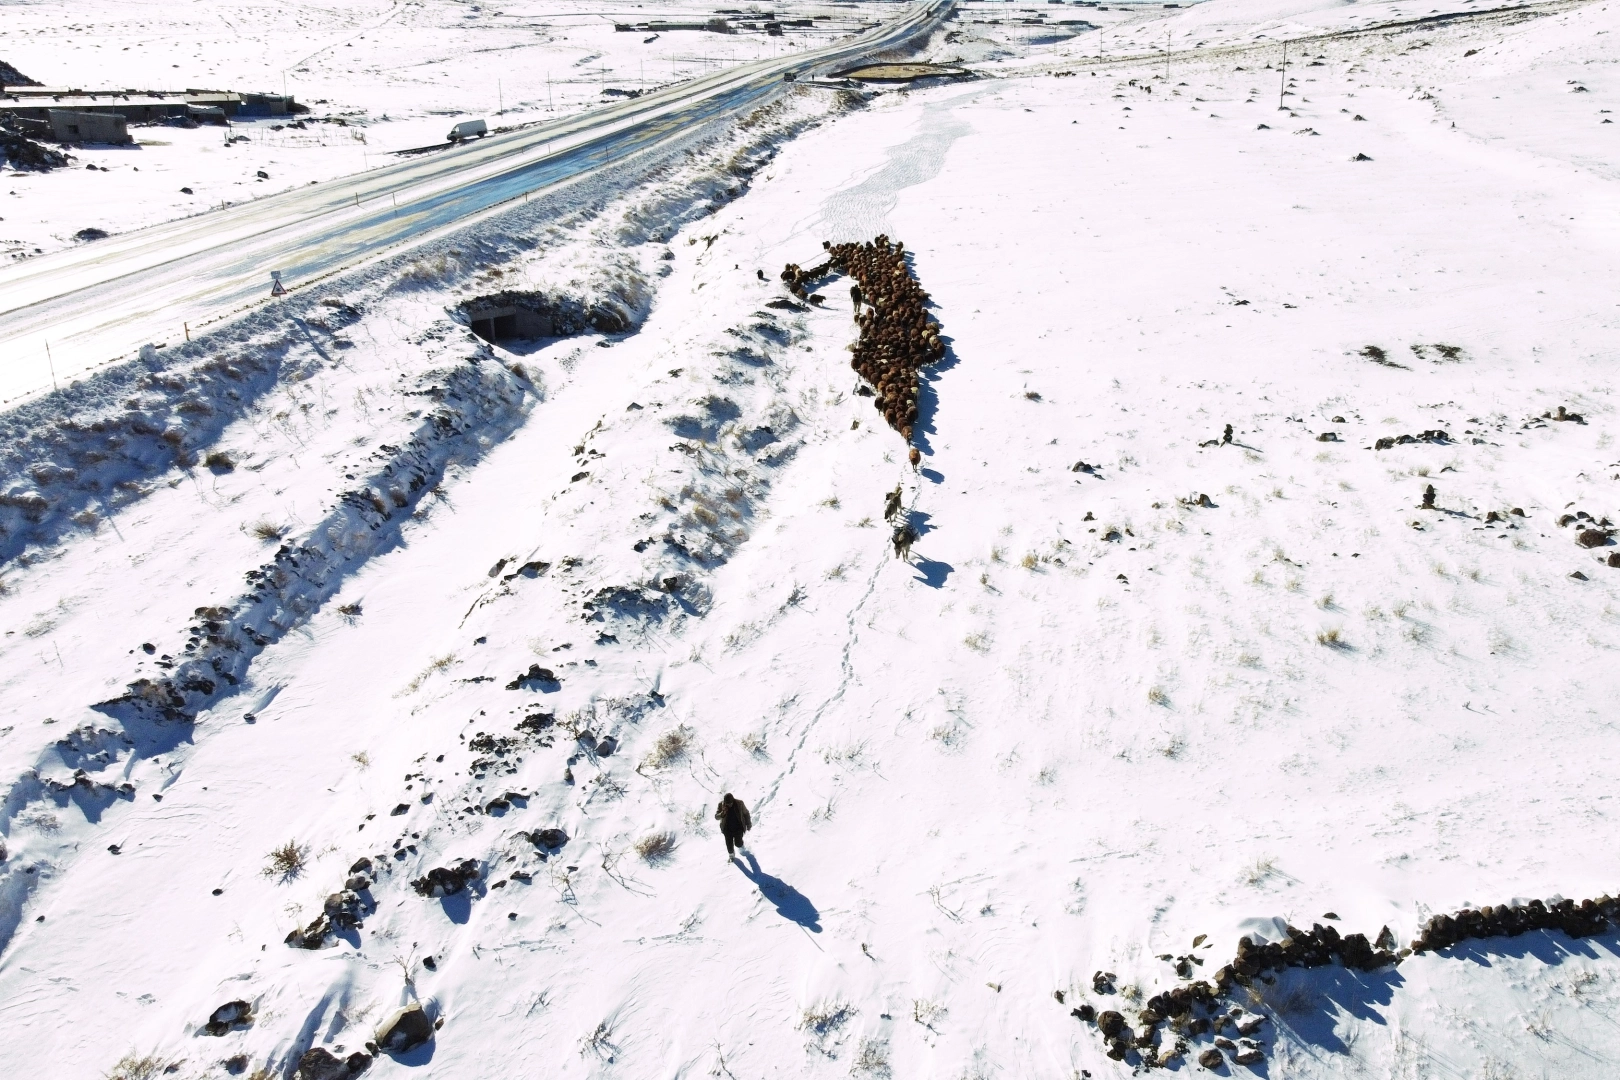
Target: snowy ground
(1091, 717)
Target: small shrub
(754, 743)
(831, 502)
(1158, 697)
(287, 861)
(1030, 561)
(977, 642)
(1260, 871)
(268, 531)
(656, 848)
(350, 611)
(219, 461)
(672, 746)
(361, 759)
(872, 1059)
(825, 1017)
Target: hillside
(1178, 653)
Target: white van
(467, 129)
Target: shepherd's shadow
(790, 903)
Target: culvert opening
(529, 316)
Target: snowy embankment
(1140, 690)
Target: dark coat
(734, 820)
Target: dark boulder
(536, 678)
(343, 909)
(1110, 1023)
(447, 881)
(548, 839)
(405, 1030)
(227, 1016)
(1211, 1059)
(319, 1063)
(312, 936)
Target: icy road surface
(64, 314)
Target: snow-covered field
(1133, 685)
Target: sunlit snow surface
(1089, 719)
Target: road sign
(276, 287)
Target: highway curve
(97, 304)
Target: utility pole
(49, 359)
(1282, 88)
(500, 99)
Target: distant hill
(10, 76)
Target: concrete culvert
(526, 316)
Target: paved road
(97, 304)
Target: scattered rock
(1110, 1023)
(1432, 436)
(342, 909)
(442, 881)
(536, 678)
(1085, 1013)
(1249, 1055)
(227, 1016)
(548, 839)
(90, 234)
(1211, 1059)
(312, 936)
(319, 1063)
(407, 1029)
(1591, 538)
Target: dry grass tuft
(656, 848)
(672, 746)
(1332, 637)
(268, 531)
(130, 1067)
(872, 1059)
